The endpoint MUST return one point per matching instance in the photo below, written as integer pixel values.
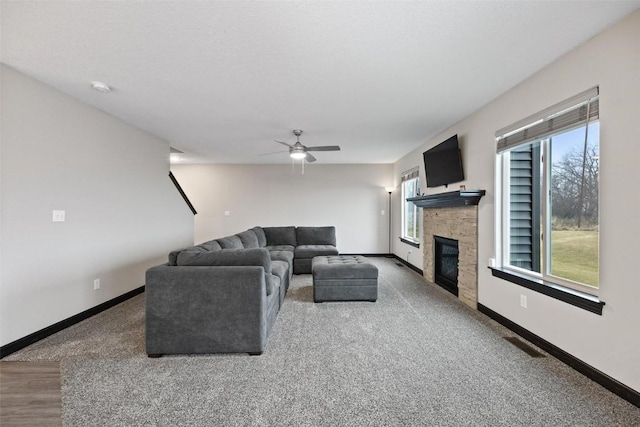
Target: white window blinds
(410, 174)
(565, 115)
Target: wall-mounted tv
(443, 163)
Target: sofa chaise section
(222, 301)
(207, 309)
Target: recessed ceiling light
(175, 155)
(100, 87)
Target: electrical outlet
(382, 212)
(96, 284)
(227, 213)
(58, 216)
(523, 301)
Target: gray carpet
(416, 357)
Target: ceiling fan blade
(273, 152)
(283, 143)
(324, 148)
(309, 158)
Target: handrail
(184, 196)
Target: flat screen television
(443, 163)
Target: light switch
(58, 216)
(227, 213)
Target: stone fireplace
(461, 224)
(454, 216)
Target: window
(549, 173)
(410, 214)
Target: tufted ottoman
(344, 278)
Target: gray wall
(122, 212)
(350, 197)
(611, 342)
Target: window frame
(410, 205)
(545, 220)
(578, 294)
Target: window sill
(570, 296)
(410, 242)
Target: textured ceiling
(221, 80)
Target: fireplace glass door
(446, 263)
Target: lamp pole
(389, 221)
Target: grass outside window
(574, 255)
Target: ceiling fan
(299, 151)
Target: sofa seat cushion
(310, 251)
(289, 248)
(282, 256)
(280, 235)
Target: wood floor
(30, 394)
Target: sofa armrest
(205, 309)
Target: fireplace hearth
(446, 263)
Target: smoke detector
(100, 87)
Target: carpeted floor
(416, 357)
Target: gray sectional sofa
(223, 296)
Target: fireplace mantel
(449, 199)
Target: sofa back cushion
(230, 242)
(226, 257)
(280, 236)
(211, 245)
(173, 255)
(316, 235)
(249, 239)
(262, 239)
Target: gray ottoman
(344, 278)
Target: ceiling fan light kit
(301, 152)
(296, 154)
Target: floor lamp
(390, 190)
